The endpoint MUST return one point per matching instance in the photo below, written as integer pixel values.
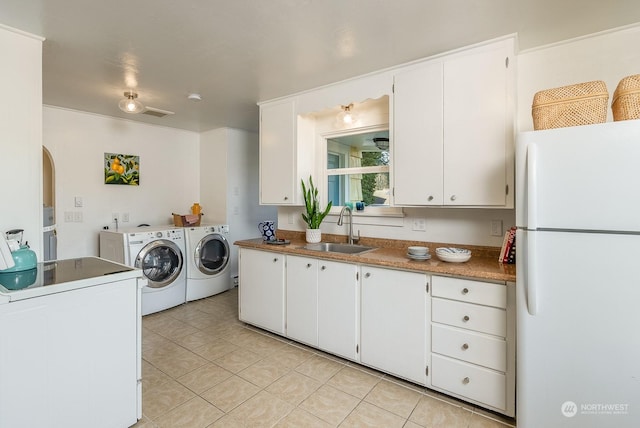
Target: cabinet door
(417, 136)
(338, 308)
(302, 299)
(70, 359)
(393, 330)
(261, 289)
(278, 179)
(475, 127)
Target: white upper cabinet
(417, 144)
(278, 151)
(453, 130)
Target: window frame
(369, 211)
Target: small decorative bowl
(418, 251)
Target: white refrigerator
(578, 280)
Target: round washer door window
(212, 254)
(161, 262)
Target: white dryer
(208, 257)
(160, 253)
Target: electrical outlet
(125, 217)
(496, 227)
(68, 216)
(419, 225)
(77, 217)
(115, 217)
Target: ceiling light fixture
(130, 104)
(194, 97)
(347, 116)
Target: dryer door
(161, 262)
(212, 254)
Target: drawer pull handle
(466, 380)
(308, 265)
(465, 290)
(275, 260)
(367, 275)
(430, 198)
(465, 346)
(323, 268)
(465, 318)
(286, 198)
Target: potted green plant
(313, 216)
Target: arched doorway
(50, 240)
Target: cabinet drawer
(467, 380)
(476, 348)
(465, 290)
(469, 316)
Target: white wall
(21, 135)
(77, 141)
(229, 185)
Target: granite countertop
(392, 253)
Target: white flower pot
(314, 236)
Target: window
(358, 168)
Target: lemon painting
(121, 169)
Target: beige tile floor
(202, 367)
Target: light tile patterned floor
(203, 368)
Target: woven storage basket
(573, 105)
(626, 99)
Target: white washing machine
(208, 257)
(160, 253)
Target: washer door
(211, 255)
(161, 262)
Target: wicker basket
(184, 220)
(626, 99)
(573, 105)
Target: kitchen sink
(333, 247)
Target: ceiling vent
(152, 111)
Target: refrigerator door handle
(532, 286)
(532, 193)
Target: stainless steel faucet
(352, 239)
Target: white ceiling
(238, 52)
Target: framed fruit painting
(121, 169)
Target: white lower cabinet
(473, 341)
(302, 299)
(261, 289)
(451, 334)
(338, 293)
(394, 318)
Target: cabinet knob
(430, 198)
(323, 267)
(465, 346)
(367, 275)
(453, 197)
(275, 259)
(465, 318)
(286, 198)
(465, 290)
(308, 265)
(466, 380)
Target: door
(578, 343)
(302, 299)
(580, 178)
(161, 262)
(417, 129)
(211, 255)
(261, 289)
(394, 322)
(338, 308)
(476, 131)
